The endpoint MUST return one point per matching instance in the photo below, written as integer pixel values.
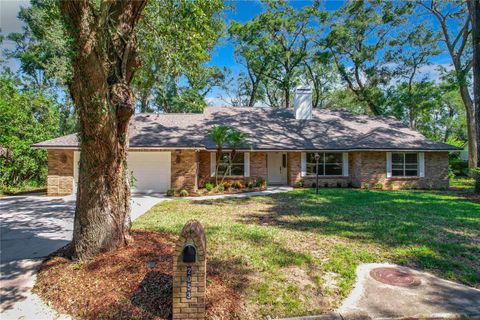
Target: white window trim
(303, 164)
(213, 163)
(344, 165)
(389, 164)
(420, 165)
(246, 162)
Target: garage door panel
(151, 171)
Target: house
(173, 151)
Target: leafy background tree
(25, 117)
(175, 40)
(366, 56)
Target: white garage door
(151, 171)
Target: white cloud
(432, 71)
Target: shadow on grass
(431, 230)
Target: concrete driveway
(31, 227)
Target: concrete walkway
(268, 191)
(432, 298)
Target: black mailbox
(189, 253)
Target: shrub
(379, 185)
(407, 186)
(250, 184)
(366, 185)
(475, 172)
(220, 188)
(261, 182)
(170, 192)
(9, 190)
(183, 193)
(209, 186)
(325, 185)
(237, 184)
(301, 184)
(227, 185)
(459, 167)
(451, 173)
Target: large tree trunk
(474, 9)
(103, 67)
(471, 127)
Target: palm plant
(224, 135)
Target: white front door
(277, 168)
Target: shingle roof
(270, 129)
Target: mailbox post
(189, 273)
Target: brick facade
(184, 171)
(370, 169)
(190, 169)
(204, 168)
(189, 298)
(294, 174)
(258, 168)
(60, 172)
(258, 165)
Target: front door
(277, 168)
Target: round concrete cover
(395, 277)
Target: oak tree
(103, 65)
(456, 28)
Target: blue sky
(223, 54)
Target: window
(237, 167)
(404, 164)
(329, 164)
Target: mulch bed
(131, 283)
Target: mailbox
(189, 273)
(189, 254)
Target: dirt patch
(132, 283)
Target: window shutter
(246, 160)
(213, 163)
(345, 164)
(389, 164)
(303, 164)
(421, 164)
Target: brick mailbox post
(189, 273)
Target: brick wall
(189, 298)
(371, 168)
(294, 174)
(258, 168)
(60, 172)
(184, 171)
(190, 169)
(258, 165)
(203, 168)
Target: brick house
(173, 151)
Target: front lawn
(296, 253)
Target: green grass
(466, 184)
(296, 253)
